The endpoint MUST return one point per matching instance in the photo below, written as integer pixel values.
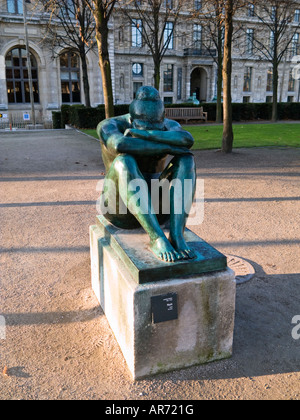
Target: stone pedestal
(164, 316)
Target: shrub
(82, 117)
(183, 105)
(121, 109)
(73, 114)
(65, 116)
(56, 119)
(87, 117)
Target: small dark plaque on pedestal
(164, 308)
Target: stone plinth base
(190, 321)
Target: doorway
(199, 84)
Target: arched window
(17, 77)
(70, 78)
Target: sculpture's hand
(128, 133)
(139, 134)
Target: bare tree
(227, 141)
(278, 20)
(71, 25)
(211, 18)
(155, 20)
(102, 11)
(228, 10)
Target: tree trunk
(104, 62)
(107, 85)
(275, 92)
(85, 78)
(156, 50)
(219, 118)
(227, 141)
(157, 75)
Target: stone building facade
(187, 68)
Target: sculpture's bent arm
(178, 138)
(115, 140)
(173, 136)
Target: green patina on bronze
(136, 147)
(131, 248)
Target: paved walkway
(58, 343)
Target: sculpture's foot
(162, 248)
(182, 248)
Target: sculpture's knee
(124, 163)
(186, 163)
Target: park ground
(58, 343)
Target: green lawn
(248, 135)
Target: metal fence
(17, 120)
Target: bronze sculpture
(135, 147)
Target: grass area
(248, 135)
(92, 133)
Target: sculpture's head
(147, 110)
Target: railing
(15, 121)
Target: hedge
(258, 111)
(56, 119)
(80, 116)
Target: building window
(270, 80)
(17, 77)
(137, 70)
(70, 78)
(272, 41)
(250, 41)
(248, 79)
(198, 5)
(290, 99)
(168, 4)
(15, 6)
(269, 99)
(295, 44)
(136, 87)
(136, 33)
(197, 37)
(274, 13)
(246, 99)
(168, 78)
(251, 10)
(169, 36)
(297, 16)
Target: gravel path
(58, 343)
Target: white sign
(2, 328)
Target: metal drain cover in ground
(243, 270)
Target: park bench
(186, 114)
